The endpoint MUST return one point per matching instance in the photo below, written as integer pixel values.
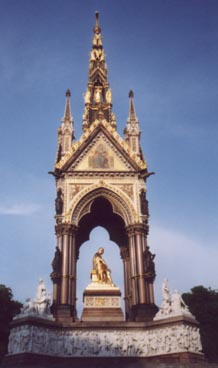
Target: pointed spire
(132, 115)
(66, 130)
(132, 130)
(67, 113)
(98, 96)
(96, 28)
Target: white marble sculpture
(172, 304)
(40, 306)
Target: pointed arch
(121, 204)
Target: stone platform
(37, 342)
(37, 361)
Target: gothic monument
(101, 181)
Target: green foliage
(203, 303)
(8, 309)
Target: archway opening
(101, 227)
(98, 237)
(102, 214)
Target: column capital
(65, 229)
(137, 229)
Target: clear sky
(167, 52)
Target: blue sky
(167, 52)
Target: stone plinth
(172, 340)
(102, 302)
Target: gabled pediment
(101, 155)
(101, 148)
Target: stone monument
(101, 180)
(172, 337)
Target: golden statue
(98, 95)
(109, 96)
(102, 272)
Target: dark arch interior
(102, 215)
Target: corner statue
(100, 269)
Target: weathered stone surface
(106, 339)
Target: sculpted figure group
(172, 304)
(40, 306)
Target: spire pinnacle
(65, 130)
(68, 93)
(132, 114)
(132, 130)
(67, 112)
(97, 28)
(98, 95)
(131, 94)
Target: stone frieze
(104, 342)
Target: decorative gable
(101, 155)
(101, 148)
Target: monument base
(182, 360)
(102, 302)
(143, 312)
(65, 314)
(35, 341)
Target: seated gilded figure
(100, 268)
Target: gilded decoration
(127, 188)
(74, 189)
(99, 302)
(124, 207)
(101, 155)
(100, 270)
(125, 146)
(89, 301)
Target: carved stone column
(142, 274)
(140, 268)
(64, 299)
(73, 257)
(133, 265)
(124, 252)
(65, 264)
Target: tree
(203, 303)
(8, 309)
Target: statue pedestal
(36, 342)
(102, 302)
